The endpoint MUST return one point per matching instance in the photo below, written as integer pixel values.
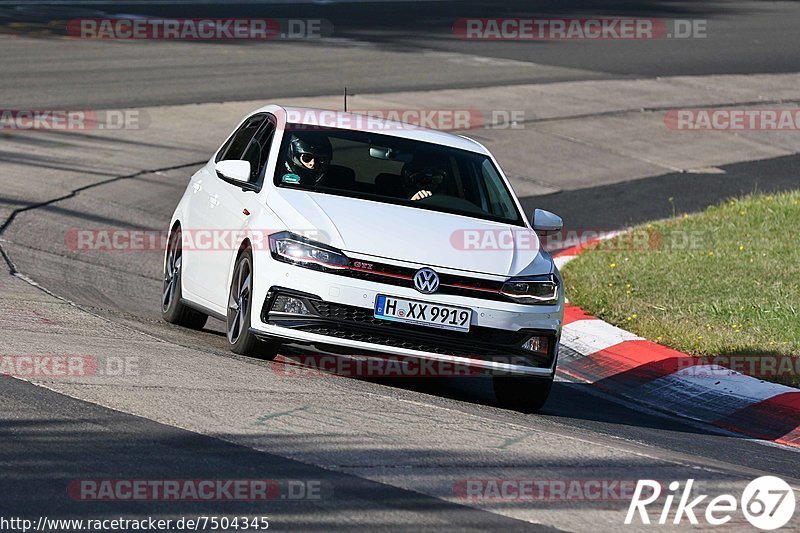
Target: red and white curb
(620, 363)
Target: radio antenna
(345, 99)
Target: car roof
(362, 122)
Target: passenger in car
(422, 177)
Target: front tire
(172, 310)
(240, 309)
(523, 394)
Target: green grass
(722, 282)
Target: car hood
(403, 233)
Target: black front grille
(345, 312)
(359, 324)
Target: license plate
(422, 313)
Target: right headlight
(542, 290)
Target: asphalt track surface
(48, 438)
(381, 47)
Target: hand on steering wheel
(421, 195)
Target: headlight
(290, 248)
(541, 290)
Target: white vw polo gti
(358, 235)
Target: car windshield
(394, 170)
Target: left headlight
(542, 290)
(290, 248)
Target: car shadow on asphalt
(568, 401)
(582, 409)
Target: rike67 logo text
(767, 502)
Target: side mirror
(545, 222)
(234, 171)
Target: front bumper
(343, 322)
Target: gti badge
(426, 281)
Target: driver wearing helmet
(422, 177)
(308, 158)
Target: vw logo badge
(426, 281)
